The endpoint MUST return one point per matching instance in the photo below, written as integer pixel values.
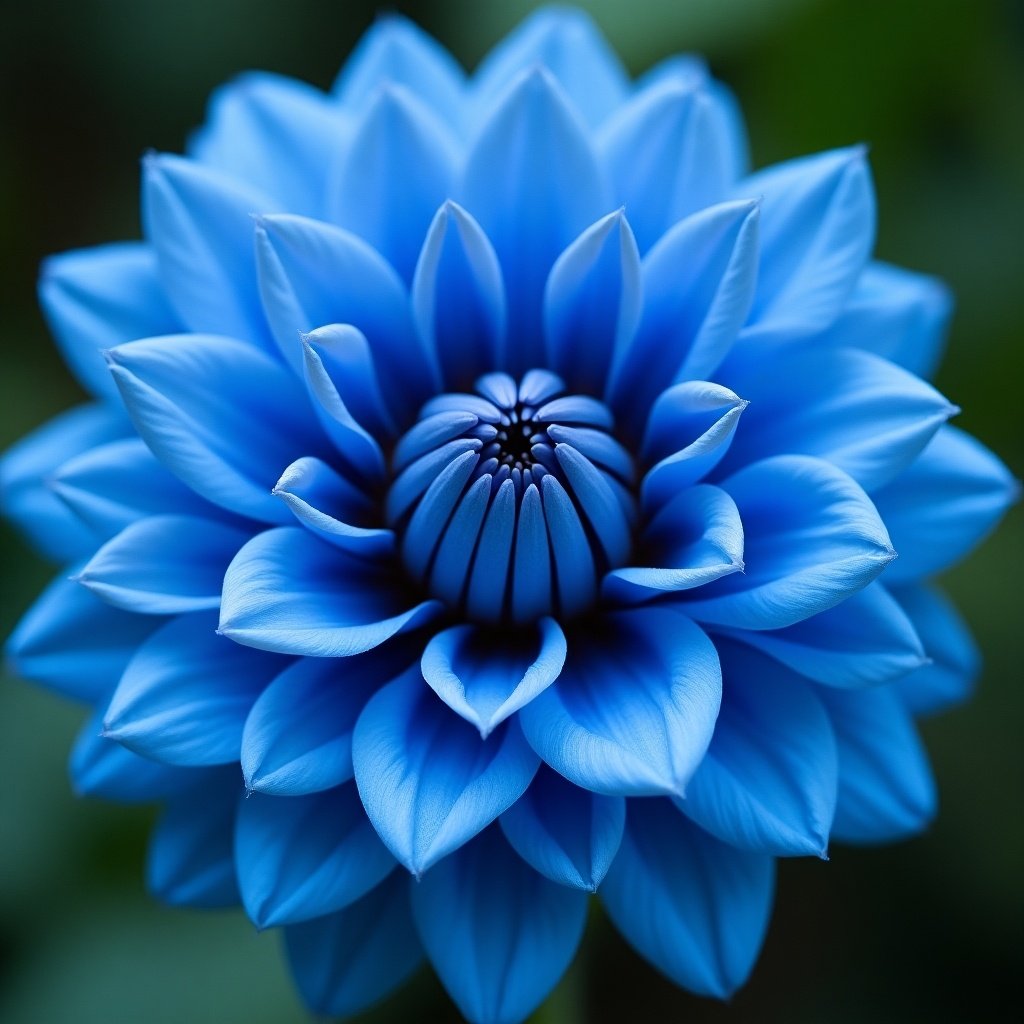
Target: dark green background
(930, 930)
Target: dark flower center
(512, 502)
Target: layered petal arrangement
(491, 496)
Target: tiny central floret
(513, 501)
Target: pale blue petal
(427, 780)
(498, 934)
(695, 908)
(94, 299)
(567, 834)
(633, 711)
(300, 857)
(287, 591)
(485, 677)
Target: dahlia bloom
(491, 496)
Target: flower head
(490, 481)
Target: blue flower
(490, 496)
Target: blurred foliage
(927, 931)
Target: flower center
(512, 502)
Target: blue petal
(689, 431)
(866, 640)
(696, 908)
(27, 469)
(427, 780)
(531, 560)
(769, 779)
(299, 857)
(347, 961)
(860, 412)
(566, 43)
(812, 538)
(598, 502)
(313, 274)
(113, 485)
(450, 571)
(500, 948)
(199, 223)
(287, 591)
(634, 708)
(185, 695)
(669, 153)
(698, 283)
(458, 298)
(163, 565)
(817, 232)
(74, 643)
(592, 303)
(696, 538)
(102, 768)
(326, 503)
(418, 477)
(567, 834)
(897, 314)
(298, 736)
(276, 134)
(94, 299)
(485, 677)
(191, 861)
(486, 594)
(944, 505)
(571, 553)
(533, 183)
(374, 195)
(886, 789)
(397, 51)
(953, 662)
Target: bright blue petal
(897, 314)
(944, 505)
(116, 483)
(330, 506)
(669, 153)
(222, 416)
(190, 862)
(27, 469)
(566, 43)
(698, 282)
(498, 934)
(347, 961)
(163, 565)
(695, 908)
(185, 694)
(374, 195)
(860, 412)
(696, 538)
(531, 560)
(312, 274)
(865, 640)
(427, 780)
(287, 591)
(571, 553)
(533, 183)
(811, 539)
(458, 298)
(953, 658)
(276, 134)
(94, 299)
(102, 768)
(485, 677)
(300, 857)
(493, 555)
(298, 736)
(199, 223)
(74, 643)
(769, 779)
(567, 834)
(592, 303)
(817, 232)
(395, 50)
(634, 708)
(886, 789)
